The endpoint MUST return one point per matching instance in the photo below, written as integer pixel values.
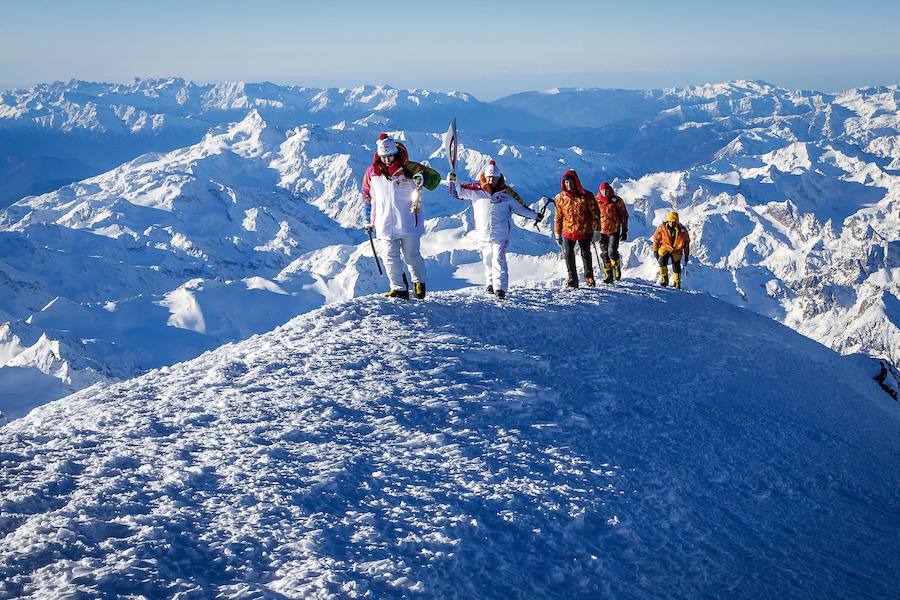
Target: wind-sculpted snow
(632, 443)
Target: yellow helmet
(673, 216)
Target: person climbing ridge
(576, 219)
(391, 189)
(671, 242)
(494, 203)
(613, 229)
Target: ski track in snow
(465, 447)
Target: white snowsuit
(493, 228)
(397, 226)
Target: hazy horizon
(568, 83)
(653, 44)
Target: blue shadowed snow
(630, 442)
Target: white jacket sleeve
(521, 210)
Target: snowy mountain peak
(156, 86)
(450, 449)
(793, 158)
(737, 87)
(251, 137)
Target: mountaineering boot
(663, 275)
(607, 272)
(501, 294)
(402, 294)
(489, 289)
(419, 288)
(590, 281)
(617, 268)
(676, 280)
(571, 283)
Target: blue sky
(489, 49)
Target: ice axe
(374, 253)
(543, 211)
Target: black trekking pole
(374, 253)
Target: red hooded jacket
(576, 211)
(613, 214)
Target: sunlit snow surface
(629, 442)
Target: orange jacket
(663, 241)
(577, 215)
(613, 214)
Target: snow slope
(630, 443)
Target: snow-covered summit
(463, 447)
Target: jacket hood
(579, 189)
(601, 197)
